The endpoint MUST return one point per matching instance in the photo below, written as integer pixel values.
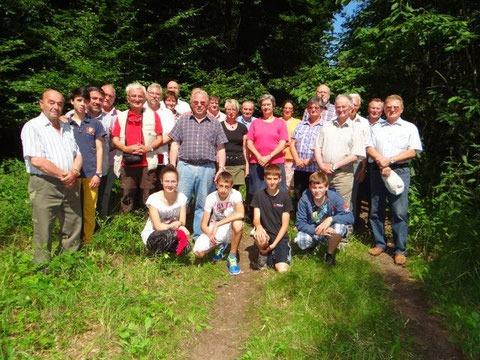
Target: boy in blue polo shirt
(89, 134)
(322, 217)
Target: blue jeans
(257, 178)
(398, 209)
(196, 180)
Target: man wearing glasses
(393, 143)
(137, 134)
(198, 142)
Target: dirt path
(426, 329)
(231, 318)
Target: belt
(393, 166)
(197, 162)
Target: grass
(321, 312)
(106, 301)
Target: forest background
(427, 51)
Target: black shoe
(330, 259)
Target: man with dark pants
(137, 134)
(393, 143)
(198, 141)
(53, 160)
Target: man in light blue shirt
(247, 114)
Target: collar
(306, 121)
(73, 122)
(399, 122)
(138, 117)
(207, 117)
(345, 124)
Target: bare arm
(283, 230)
(118, 144)
(221, 158)
(158, 225)
(246, 155)
(172, 157)
(383, 161)
(47, 167)
(326, 168)
(346, 160)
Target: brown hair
(394, 97)
(318, 177)
(272, 170)
(225, 176)
(167, 169)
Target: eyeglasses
(390, 107)
(314, 107)
(136, 96)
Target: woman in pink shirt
(266, 141)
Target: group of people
(166, 152)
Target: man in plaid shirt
(198, 142)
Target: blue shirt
(305, 136)
(241, 120)
(85, 136)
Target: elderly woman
(266, 140)
(287, 110)
(235, 149)
(303, 136)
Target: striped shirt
(41, 139)
(328, 114)
(198, 140)
(305, 136)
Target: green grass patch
(321, 312)
(108, 300)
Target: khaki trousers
(342, 181)
(51, 200)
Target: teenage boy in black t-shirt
(271, 215)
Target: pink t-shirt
(266, 136)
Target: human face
(136, 98)
(153, 97)
(213, 106)
(80, 105)
(231, 112)
(267, 108)
(223, 189)
(247, 111)
(272, 181)
(355, 106)
(199, 104)
(314, 110)
(169, 182)
(173, 86)
(393, 110)
(52, 104)
(287, 110)
(109, 97)
(324, 93)
(375, 109)
(318, 191)
(343, 109)
(96, 103)
(170, 103)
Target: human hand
(94, 182)
(383, 162)
(361, 176)
(263, 160)
(324, 226)
(68, 178)
(300, 163)
(326, 168)
(386, 171)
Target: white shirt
(181, 107)
(221, 209)
(168, 214)
(41, 139)
(392, 139)
(167, 119)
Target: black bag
(166, 241)
(132, 159)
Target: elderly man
(137, 134)
(393, 143)
(375, 110)
(328, 111)
(338, 146)
(247, 114)
(108, 120)
(198, 141)
(362, 126)
(182, 106)
(53, 160)
(167, 119)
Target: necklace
(231, 126)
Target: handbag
(133, 159)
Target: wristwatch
(334, 167)
(392, 161)
(99, 175)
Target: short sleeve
(237, 197)
(318, 142)
(255, 200)
(99, 130)
(151, 201)
(288, 204)
(209, 202)
(251, 131)
(182, 199)
(283, 130)
(221, 137)
(32, 146)
(175, 134)
(358, 148)
(295, 131)
(158, 124)
(414, 141)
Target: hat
(394, 183)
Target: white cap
(394, 183)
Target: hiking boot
(233, 267)
(330, 259)
(218, 254)
(400, 259)
(262, 262)
(376, 251)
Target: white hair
(135, 86)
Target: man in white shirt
(182, 106)
(393, 143)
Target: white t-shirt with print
(168, 214)
(221, 209)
